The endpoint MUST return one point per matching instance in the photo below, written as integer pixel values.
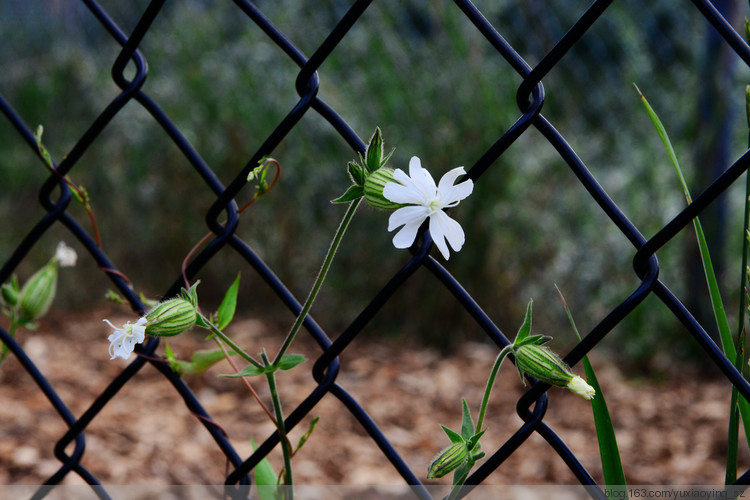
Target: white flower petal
(65, 255)
(411, 218)
(403, 193)
(451, 194)
(407, 215)
(422, 180)
(123, 340)
(444, 228)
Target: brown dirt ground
(673, 432)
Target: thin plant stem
(247, 382)
(281, 426)
(231, 344)
(319, 280)
(488, 389)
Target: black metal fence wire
(55, 197)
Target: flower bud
(373, 188)
(35, 298)
(579, 386)
(171, 317)
(449, 460)
(542, 364)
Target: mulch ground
(670, 432)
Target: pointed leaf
(353, 193)
(467, 424)
(201, 322)
(473, 441)
(454, 436)
(387, 157)
(265, 478)
(289, 361)
(203, 359)
(249, 371)
(357, 173)
(533, 340)
(310, 428)
(374, 151)
(525, 329)
(228, 305)
(609, 453)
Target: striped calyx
(35, 298)
(542, 364)
(373, 188)
(171, 317)
(449, 460)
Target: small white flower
(579, 386)
(124, 339)
(65, 255)
(426, 200)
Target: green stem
(319, 280)
(12, 332)
(488, 388)
(285, 445)
(231, 343)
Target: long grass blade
(614, 475)
(722, 323)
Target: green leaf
(266, 478)
(473, 441)
(228, 305)
(250, 371)
(303, 439)
(734, 427)
(289, 361)
(609, 453)
(357, 173)
(722, 323)
(533, 340)
(467, 424)
(374, 151)
(454, 436)
(201, 322)
(525, 329)
(353, 193)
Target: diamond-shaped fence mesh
(552, 34)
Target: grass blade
(614, 475)
(725, 334)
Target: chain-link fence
(129, 73)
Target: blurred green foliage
(438, 90)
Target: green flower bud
(35, 298)
(542, 364)
(171, 317)
(373, 188)
(449, 460)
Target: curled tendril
(259, 174)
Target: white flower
(124, 339)
(579, 386)
(426, 200)
(65, 255)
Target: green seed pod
(449, 460)
(171, 317)
(542, 364)
(373, 188)
(35, 298)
